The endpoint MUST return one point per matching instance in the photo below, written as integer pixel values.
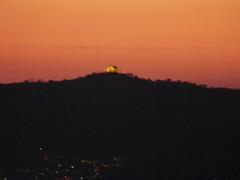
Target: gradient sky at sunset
(192, 40)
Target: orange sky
(191, 40)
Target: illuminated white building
(112, 69)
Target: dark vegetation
(165, 129)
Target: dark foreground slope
(168, 130)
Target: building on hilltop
(112, 69)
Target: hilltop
(174, 127)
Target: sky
(188, 40)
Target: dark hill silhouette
(168, 129)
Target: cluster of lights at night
(58, 167)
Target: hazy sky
(193, 40)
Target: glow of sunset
(196, 41)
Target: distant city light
(84, 169)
